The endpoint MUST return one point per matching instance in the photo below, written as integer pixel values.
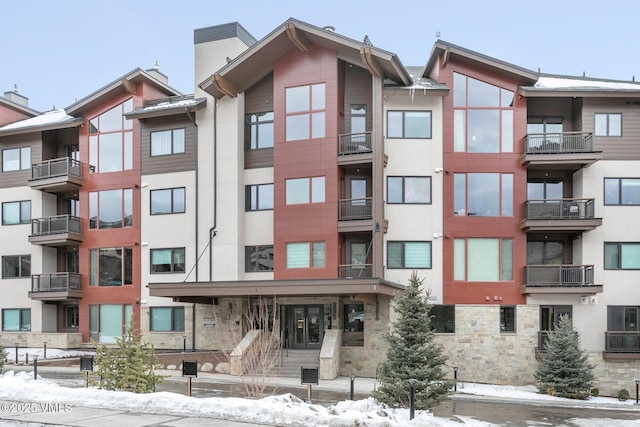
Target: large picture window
(483, 116)
(165, 142)
(408, 124)
(110, 266)
(621, 256)
(16, 266)
(258, 197)
(109, 321)
(483, 194)
(305, 190)
(483, 259)
(16, 319)
(166, 319)
(608, 124)
(443, 320)
(15, 159)
(409, 189)
(408, 254)
(305, 112)
(111, 139)
(258, 258)
(167, 201)
(622, 191)
(16, 212)
(258, 131)
(305, 254)
(170, 260)
(111, 209)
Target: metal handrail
(56, 167)
(55, 225)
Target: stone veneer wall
(613, 375)
(62, 341)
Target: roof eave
(168, 111)
(41, 128)
(532, 92)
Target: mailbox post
(86, 366)
(309, 376)
(189, 369)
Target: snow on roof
(169, 104)
(49, 118)
(548, 82)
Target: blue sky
(60, 51)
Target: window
(111, 209)
(623, 318)
(358, 118)
(483, 194)
(16, 212)
(410, 190)
(408, 124)
(443, 320)
(70, 316)
(167, 260)
(483, 116)
(550, 316)
(622, 191)
(165, 142)
(111, 139)
(483, 259)
(608, 124)
(305, 113)
(166, 319)
(167, 201)
(16, 159)
(305, 254)
(258, 258)
(258, 131)
(111, 266)
(258, 197)
(621, 256)
(108, 321)
(353, 334)
(16, 319)
(408, 254)
(507, 319)
(16, 266)
(305, 190)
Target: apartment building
(316, 172)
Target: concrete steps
(293, 360)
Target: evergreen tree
(564, 370)
(128, 367)
(3, 357)
(413, 354)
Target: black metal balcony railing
(354, 143)
(354, 209)
(564, 209)
(356, 271)
(55, 225)
(556, 143)
(558, 276)
(622, 342)
(56, 167)
(55, 282)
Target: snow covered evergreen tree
(564, 370)
(3, 357)
(413, 354)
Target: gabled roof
(17, 107)
(257, 61)
(168, 107)
(125, 83)
(447, 50)
(55, 119)
(570, 86)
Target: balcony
(355, 271)
(355, 148)
(56, 175)
(622, 345)
(559, 279)
(55, 287)
(62, 230)
(561, 215)
(567, 151)
(355, 215)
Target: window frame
(248, 197)
(22, 158)
(174, 319)
(21, 208)
(505, 327)
(505, 199)
(311, 196)
(619, 261)
(441, 327)
(173, 143)
(173, 198)
(311, 112)
(403, 254)
(248, 251)
(465, 260)
(96, 276)
(126, 198)
(172, 265)
(404, 190)
(249, 133)
(310, 262)
(21, 320)
(19, 260)
(607, 117)
(619, 191)
(124, 130)
(404, 124)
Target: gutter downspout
(212, 230)
(193, 306)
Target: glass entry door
(306, 324)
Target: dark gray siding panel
(170, 163)
(625, 147)
(262, 158)
(357, 90)
(20, 178)
(221, 32)
(259, 98)
(554, 107)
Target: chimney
(15, 97)
(155, 72)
